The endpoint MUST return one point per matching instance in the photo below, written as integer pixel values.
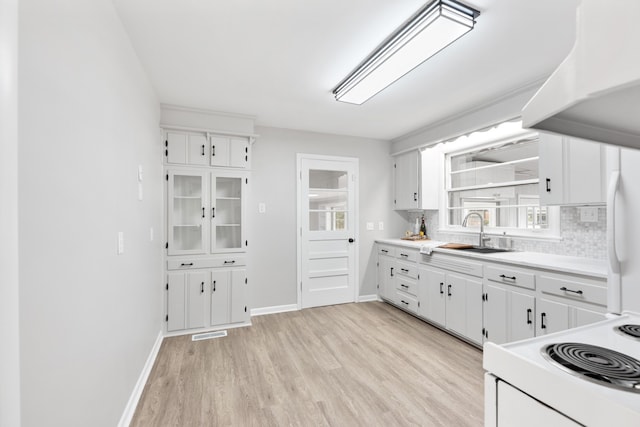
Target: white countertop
(562, 263)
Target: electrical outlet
(262, 207)
(589, 214)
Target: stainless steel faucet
(482, 237)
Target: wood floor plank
(365, 364)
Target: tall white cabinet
(207, 181)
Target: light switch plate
(120, 242)
(369, 226)
(380, 225)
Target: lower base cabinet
(206, 298)
(452, 300)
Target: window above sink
(495, 173)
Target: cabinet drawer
(386, 250)
(510, 276)
(406, 269)
(407, 254)
(574, 289)
(185, 264)
(407, 302)
(407, 285)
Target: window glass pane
(327, 220)
(510, 152)
(514, 206)
(487, 173)
(328, 179)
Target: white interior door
(327, 238)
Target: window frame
(454, 148)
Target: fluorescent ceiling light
(432, 28)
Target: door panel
(220, 298)
(495, 319)
(196, 299)
(175, 301)
(327, 213)
(522, 316)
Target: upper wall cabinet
(202, 149)
(417, 179)
(229, 152)
(406, 183)
(572, 171)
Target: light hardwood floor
(365, 364)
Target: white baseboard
(368, 298)
(130, 409)
(274, 309)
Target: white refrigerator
(623, 229)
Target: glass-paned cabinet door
(228, 197)
(186, 216)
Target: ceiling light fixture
(432, 28)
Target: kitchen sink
(485, 250)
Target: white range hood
(595, 92)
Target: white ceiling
(278, 60)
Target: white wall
(87, 117)
(9, 301)
(272, 243)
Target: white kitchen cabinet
(230, 151)
(571, 171)
(431, 295)
(431, 177)
(206, 298)
(551, 317)
(464, 306)
(205, 229)
(205, 149)
(228, 201)
(406, 181)
(229, 297)
(187, 302)
(406, 280)
(449, 298)
(186, 148)
(187, 201)
(386, 277)
(496, 317)
(206, 212)
(509, 303)
(567, 301)
(522, 316)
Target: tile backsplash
(583, 239)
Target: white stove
(527, 385)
